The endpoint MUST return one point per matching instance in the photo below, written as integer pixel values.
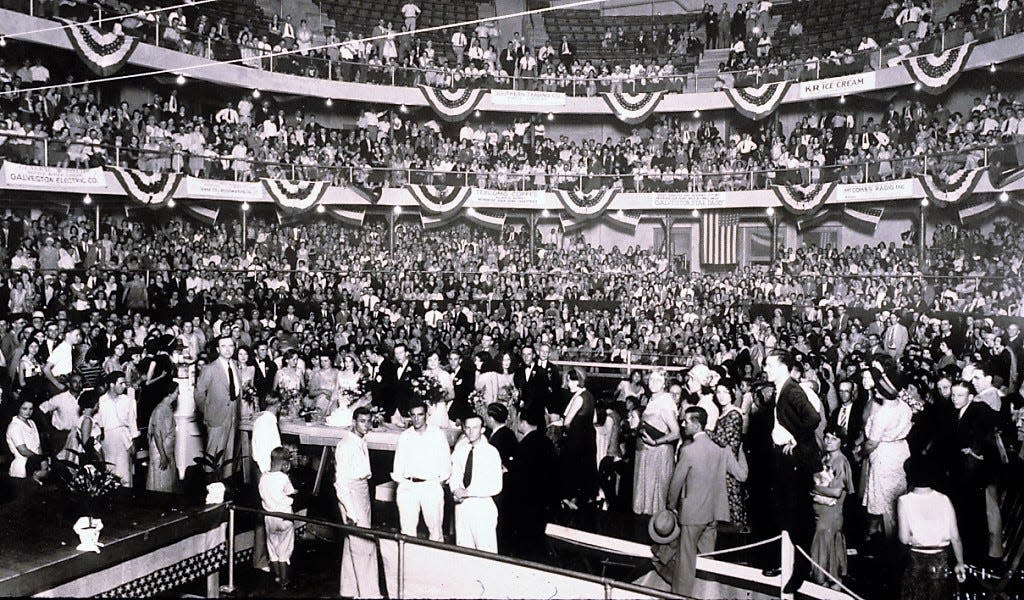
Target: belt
(929, 549)
(416, 480)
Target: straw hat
(663, 527)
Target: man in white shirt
(359, 555)
(459, 43)
(60, 363)
(410, 12)
(422, 462)
(64, 407)
(117, 414)
(475, 480)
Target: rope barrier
(744, 547)
(827, 574)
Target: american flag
(867, 216)
(719, 234)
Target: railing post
(401, 569)
(117, 155)
(293, 172)
(230, 587)
(607, 590)
(330, 70)
(46, 152)
(156, 25)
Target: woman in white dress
(437, 412)
(886, 448)
(22, 440)
(486, 377)
(345, 398)
(304, 38)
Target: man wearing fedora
(698, 493)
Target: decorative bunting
(976, 208)
(201, 213)
(292, 196)
(758, 102)
(586, 205)
(452, 105)
(950, 189)
(439, 200)
(802, 199)
(485, 219)
(633, 108)
(435, 222)
(145, 188)
(864, 215)
(104, 53)
(620, 219)
(811, 220)
(938, 72)
(348, 217)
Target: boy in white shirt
(276, 493)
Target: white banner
(837, 86)
(52, 178)
(214, 189)
(526, 98)
(686, 200)
(482, 198)
(880, 190)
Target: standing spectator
(724, 27)
(710, 18)
(475, 480)
(532, 485)
(459, 43)
(698, 493)
(217, 392)
(885, 446)
(566, 52)
(163, 470)
(579, 459)
(655, 451)
(410, 12)
(276, 493)
(117, 415)
(22, 438)
(359, 555)
(831, 487)
(422, 462)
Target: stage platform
(152, 543)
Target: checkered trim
(190, 569)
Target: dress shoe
(772, 572)
(792, 585)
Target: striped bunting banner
(348, 217)
(802, 199)
(586, 205)
(104, 53)
(484, 218)
(147, 189)
(938, 72)
(719, 233)
(201, 213)
(633, 108)
(452, 105)
(976, 207)
(618, 219)
(952, 188)
(439, 200)
(292, 196)
(757, 103)
(811, 220)
(863, 215)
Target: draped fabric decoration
(435, 221)
(863, 215)
(633, 108)
(201, 213)
(144, 188)
(811, 220)
(719, 234)
(945, 189)
(295, 196)
(938, 72)
(104, 53)
(619, 219)
(758, 102)
(348, 217)
(484, 218)
(977, 207)
(586, 205)
(802, 199)
(452, 105)
(439, 200)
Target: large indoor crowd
(817, 378)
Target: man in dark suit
(555, 400)
(504, 441)
(397, 378)
(265, 372)
(373, 369)
(797, 458)
(532, 490)
(848, 416)
(531, 383)
(973, 460)
(464, 381)
(698, 489)
(218, 389)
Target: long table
(151, 544)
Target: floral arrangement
(291, 401)
(910, 396)
(427, 388)
(88, 482)
(479, 402)
(349, 396)
(509, 394)
(377, 416)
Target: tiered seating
(831, 25)
(585, 28)
(360, 16)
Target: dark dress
(151, 395)
(579, 461)
(729, 434)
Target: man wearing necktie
(475, 480)
(567, 52)
(216, 395)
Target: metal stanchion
(230, 587)
(401, 569)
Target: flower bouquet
(479, 403)
(426, 388)
(911, 398)
(351, 395)
(89, 483)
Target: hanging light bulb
(171, 203)
(87, 200)
(255, 93)
(329, 102)
(320, 208)
(180, 79)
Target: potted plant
(206, 476)
(88, 483)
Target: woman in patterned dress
(655, 455)
(729, 434)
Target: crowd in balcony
(252, 137)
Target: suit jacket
(532, 486)
(263, 379)
(976, 431)
(400, 388)
(505, 442)
(699, 481)
(533, 391)
(855, 423)
(795, 412)
(213, 397)
(895, 339)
